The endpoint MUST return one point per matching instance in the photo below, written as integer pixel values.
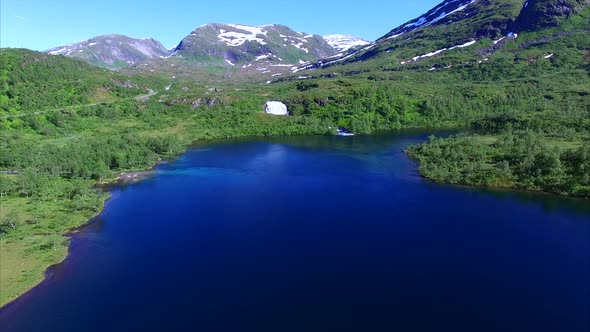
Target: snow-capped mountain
(239, 44)
(343, 43)
(269, 50)
(456, 22)
(459, 24)
(439, 13)
(450, 24)
(113, 51)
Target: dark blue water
(317, 234)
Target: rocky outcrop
(206, 101)
(235, 44)
(541, 14)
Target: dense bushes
(32, 81)
(521, 159)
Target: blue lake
(317, 234)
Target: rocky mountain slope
(113, 51)
(458, 24)
(239, 44)
(264, 51)
(241, 52)
(542, 14)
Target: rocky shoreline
(133, 177)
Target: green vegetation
(33, 238)
(66, 127)
(52, 158)
(512, 159)
(31, 81)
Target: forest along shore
(52, 249)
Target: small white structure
(276, 108)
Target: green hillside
(33, 81)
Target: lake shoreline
(128, 177)
(134, 177)
(495, 188)
(50, 268)
(113, 254)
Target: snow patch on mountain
(343, 43)
(252, 29)
(276, 108)
(421, 21)
(433, 53)
(445, 14)
(469, 43)
(263, 57)
(395, 36)
(301, 47)
(57, 51)
(498, 40)
(434, 15)
(245, 33)
(112, 50)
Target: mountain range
(240, 44)
(273, 50)
(213, 44)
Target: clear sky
(42, 24)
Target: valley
(510, 78)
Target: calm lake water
(317, 234)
